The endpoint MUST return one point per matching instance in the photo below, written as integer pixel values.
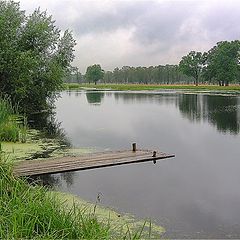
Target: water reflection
(190, 106)
(73, 93)
(49, 127)
(95, 97)
(223, 112)
(47, 180)
(193, 195)
(220, 111)
(143, 97)
(54, 180)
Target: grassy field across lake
(141, 87)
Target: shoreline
(144, 87)
(120, 224)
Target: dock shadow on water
(194, 195)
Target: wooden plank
(87, 161)
(73, 160)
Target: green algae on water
(37, 146)
(120, 224)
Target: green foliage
(94, 73)
(192, 65)
(12, 126)
(222, 62)
(73, 76)
(34, 56)
(30, 212)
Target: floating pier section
(87, 161)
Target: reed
(13, 127)
(30, 212)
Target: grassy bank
(31, 212)
(34, 212)
(140, 87)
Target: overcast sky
(141, 33)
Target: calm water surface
(196, 194)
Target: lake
(194, 195)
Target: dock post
(154, 154)
(134, 147)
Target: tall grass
(30, 212)
(13, 127)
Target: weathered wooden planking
(86, 161)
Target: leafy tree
(222, 63)
(34, 56)
(192, 65)
(108, 77)
(73, 75)
(94, 73)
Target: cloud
(142, 32)
(221, 20)
(108, 18)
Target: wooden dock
(86, 161)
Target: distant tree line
(220, 65)
(168, 74)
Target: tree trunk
(196, 81)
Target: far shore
(142, 87)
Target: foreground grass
(121, 225)
(34, 212)
(139, 87)
(31, 212)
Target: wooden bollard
(154, 154)
(134, 147)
